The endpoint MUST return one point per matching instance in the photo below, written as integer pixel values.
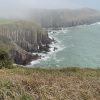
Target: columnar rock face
(65, 17)
(26, 38)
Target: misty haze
(49, 50)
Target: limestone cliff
(65, 17)
(22, 38)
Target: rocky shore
(24, 38)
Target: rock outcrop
(20, 39)
(65, 17)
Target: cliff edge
(56, 18)
(21, 38)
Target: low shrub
(5, 61)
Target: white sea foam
(97, 23)
(45, 57)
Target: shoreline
(53, 48)
(60, 28)
(45, 56)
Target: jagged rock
(43, 48)
(55, 48)
(24, 38)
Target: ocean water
(77, 47)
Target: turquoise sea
(78, 46)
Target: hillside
(49, 84)
(21, 38)
(65, 17)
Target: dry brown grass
(49, 84)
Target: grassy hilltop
(49, 84)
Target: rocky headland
(58, 18)
(21, 38)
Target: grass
(5, 21)
(49, 84)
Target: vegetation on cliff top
(6, 21)
(21, 38)
(5, 61)
(49, 84)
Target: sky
(18, 4)
(16, 7)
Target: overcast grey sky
(16, 7)
(9, 4)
